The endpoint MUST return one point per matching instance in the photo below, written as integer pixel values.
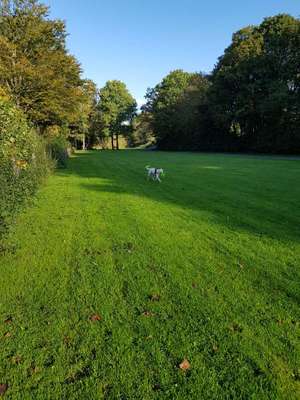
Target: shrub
(23, 161)
(59, 150)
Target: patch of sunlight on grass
(210, 167)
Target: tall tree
(116, 107)
(255, 96)
(173, 104)
(35, 68)
(142, 133)
(82, 125)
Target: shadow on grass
(229, 205)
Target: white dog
(154, 173)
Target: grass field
(108, 282)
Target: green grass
(216, 244)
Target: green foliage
(141, 133)
(116, 107)
(251, 102)
(256, 87)
(84, 128)
(204, 266)
(35, 68)
(23, 160)
(57, 148)
(41, 78)
(174, 105)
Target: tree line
(42, 79)
(250, 102)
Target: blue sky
(140, 41)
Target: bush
(59, 150)
(23, 161)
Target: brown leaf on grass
(16, 359)
(8, 320)
(155, 297)
(95, 317)
(32, 369)
(67, 340)
(235, 327)
(215, 348)
(7, 334)
(194, 285)
(185, 365)
(3, 388)
(148, 314)
(152, 268)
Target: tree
(142, 133)
(251, 101)
(174, 104)
(255, 91)
(82, 126)
(35, 68)
(116, 108)
(162, 101)
(188, 126)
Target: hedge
(58, 149)
(24, 162)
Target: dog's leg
(157, 177)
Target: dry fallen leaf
(185, 365)
(235, 327)
(155, 297)
(67, 340)
(95, 317)
(32, 369)
(16, 359)
(148, 314)
(3, 388)
(215, 348)
(7, 334)
(8, 320)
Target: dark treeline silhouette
(250, 102)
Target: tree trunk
(117, 139)
(112, 142)
(83, 142)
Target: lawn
(109, 282)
